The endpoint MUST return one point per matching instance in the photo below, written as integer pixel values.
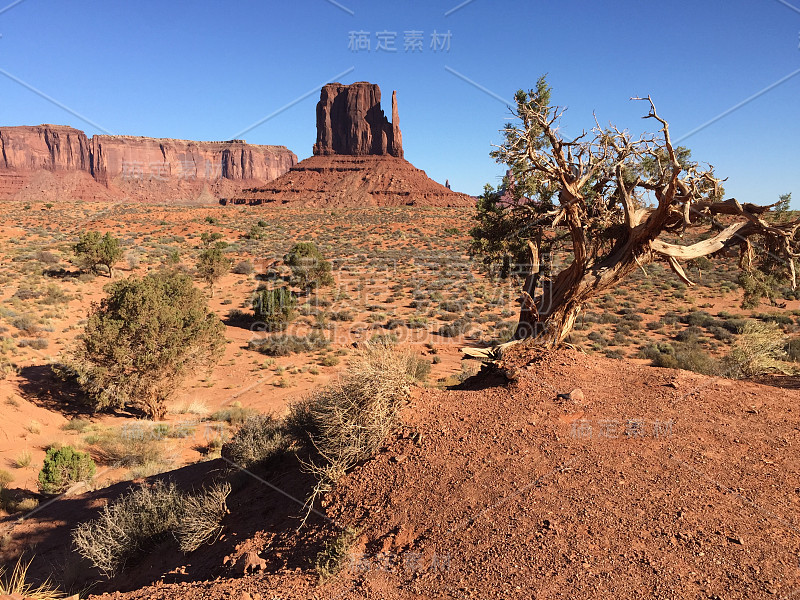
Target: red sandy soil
(656, 484)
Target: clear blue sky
(207, 70)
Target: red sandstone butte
(350, 121)
(358, 160)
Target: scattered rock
(575, 395)
(254, 563)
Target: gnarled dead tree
(614, 203)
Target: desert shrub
(452, 305)
(64, 467)
(309, 267)
(455, 328)
(720, 333)
(235, 414)
(93, 250)
(285, 345)
(46, 257)
(202, 515)
(599, 339)
(129, 526)
(5, 478)
(688, 356)
(212, 264)
(346, 421)
(608, 318)
(76, 424)
(134, 445)
(260, 438)
(329, 361)
(275, 308)
(256, 233)
(27, 294)
(35, 343)
(244, 267)
(53, 294)
(758, 350)
(22, 460)
(418, 367)
(140, 341)
(793, 349)
(341, 315)
(690, 334)
(699, 318)
(15, 584)
(334, 555)
(26, 324)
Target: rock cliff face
(48, 147)
(141, 158)
(125, 161)
(350, 122)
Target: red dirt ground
(658, 484)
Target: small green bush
(62, 468)
(275, 308)
(309, 268)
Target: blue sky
(208, 70)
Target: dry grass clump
(347, 421)
(134, 523)
(260, 438)
(202, 517)
(15, 584)
(759, 349)
(133, 445)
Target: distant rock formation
(132, 157)
(145, 168)
(47, 147)
(350, 122)
(358, 160)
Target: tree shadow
(239, 319)
(487, 377)
(40, 385)
(787, 382)
(265, 511)
(61, 273)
